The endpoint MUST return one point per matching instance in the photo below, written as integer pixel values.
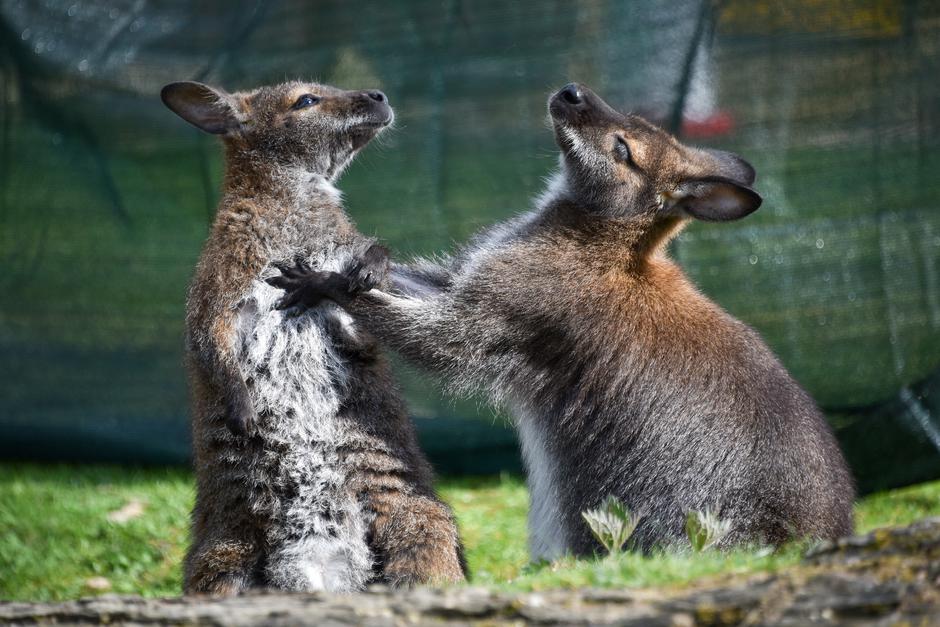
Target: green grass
(491, 513)
(56, 535)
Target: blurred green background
(106, 197)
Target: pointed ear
(730, 166)
(716, 199)
(210, 109)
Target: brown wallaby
(622, 378)
(308, 470)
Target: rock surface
(886, 577)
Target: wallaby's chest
(298, 381)
(294, 372)
(548, 536)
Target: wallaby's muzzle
(376, 104)
(371, 114)
(575, 105)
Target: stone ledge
(885, 577)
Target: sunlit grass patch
(71, 531)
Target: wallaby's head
(316, 127)
(622, 165)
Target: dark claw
(369, 270)
(362, 282)
(239, 417)
(295, 270)
(308, 287)
(290, 299)
(281, 281)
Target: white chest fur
(298, 381)
(294, 369)
(547, 534)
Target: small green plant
(612, 523)
(705, 529)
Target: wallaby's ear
(716, 199)
(726, 165)
(210, 109)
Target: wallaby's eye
(307, 100)
(622, 150)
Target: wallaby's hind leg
(412, 535)
(225, 556)
(223, 567)
(416, 540)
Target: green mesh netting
(105, 197)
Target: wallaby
(308, 471)
(622, 378)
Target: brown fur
(267, 498)
(623, 379)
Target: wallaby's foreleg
(215, 352)
(421, 329)
(446, 332)
(421, 279)
(368, 269)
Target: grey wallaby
(308, 470)
(622, 378)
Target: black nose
(377, 96)
(571, 93)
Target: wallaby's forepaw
(240, 417)
(305, 286)
(368, 270)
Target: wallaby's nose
(377, 96)
(571, 93)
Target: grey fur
(621, 377)
(309, 475)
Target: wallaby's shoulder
(233, 253)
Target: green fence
(105, 197)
